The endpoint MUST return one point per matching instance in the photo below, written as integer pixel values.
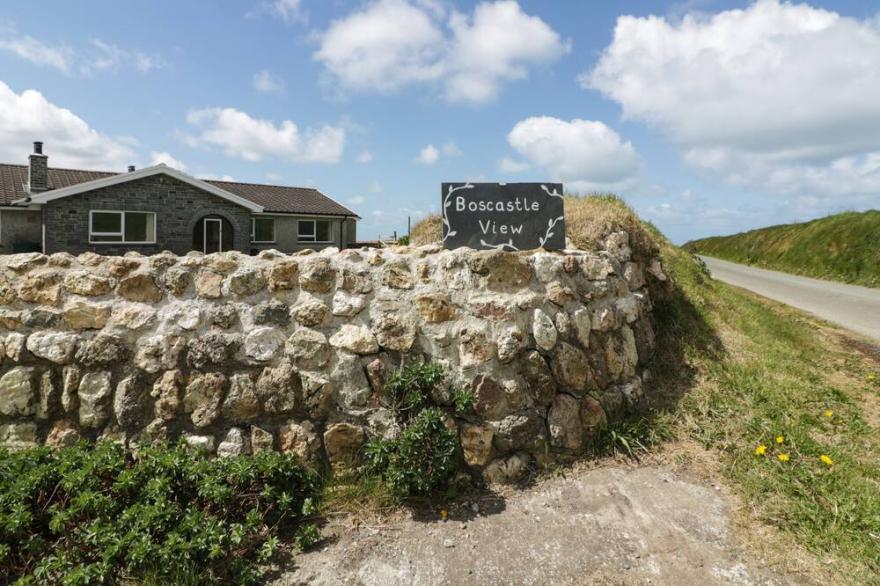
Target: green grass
(843, 247)
(736, 372)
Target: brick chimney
(38, 170)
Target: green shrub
(410, 389)
(98, 514)
(422, 460)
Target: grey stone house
(159, 208)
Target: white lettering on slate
(517, 205)
(494, 228)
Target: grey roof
(273, 198)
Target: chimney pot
(38, 147)
(130, 168)
(38, 170)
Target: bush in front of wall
(99, 514)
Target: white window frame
(314, 238)
(121, 233)
(205, 234)
(274, 228)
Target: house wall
(20, 227)
(178, 207)
(286, 233)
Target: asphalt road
(855, 308)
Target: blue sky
(709, 117)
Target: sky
(708, 117)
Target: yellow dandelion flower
(826, 460)
(828, 413)
(761, 450)
(783, 457)
(443, 514)
(780, 439)
(871, 376)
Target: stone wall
(238, 353)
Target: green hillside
(843, 247)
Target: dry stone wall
(236, 353)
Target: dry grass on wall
(427, 230)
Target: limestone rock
(102, 350)
(70, 376)
(544, 331)
(310, 313)
(356, 281)
(26, 261)
(503, 270)
(617, 244)
(140, 287)
(40, 318)
(180, 315)
(15, 346)
(564, 422)
(49, 396)
(18, 392)
(43, 288)
(131, 402)
(272, 312)
(524, 431)
(435, 307)
(224, 316)
(132, 316)
(241, 403)
(212, 349)
(18, 436)
(376, 374)
(475, 348)
(490, 398)
(352, 387)
(342, 441)
(202, 398)
(262, 343)
(209, 284)
(634, 275)
(94, 399)
(571, 368)
(234, 444)
(177, 280)
(280, 389)
(167, 391)
(301, 439)
(261, 440)
(507, 470)
(347, 304)
(605, 318)
(308, 348)
(476, 443)
(596, 267)
(282, 275)
(159, 353)
(62, 435)
(119, 266)
(592, 416)
(509, 344)
(246, 281)
(355, 339)
(397, 275)
(56, 347)
(560, 294)
(395, 329)
(202, 444)
(318, 276)
(541, 383)
(80, 315)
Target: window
(122, 227)
(314, 231)
(262, 229)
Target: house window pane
(306, 230)
(140, 227)
(106, 222)
(322, 231)
(264, 230)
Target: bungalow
(159, 208)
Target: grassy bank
(843, 247)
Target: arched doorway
(212, 233)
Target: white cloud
(38, 52)
(212, 177)
(585, 154)
(108, 57)
(774, 96)
(428, 155)
(364, 157)
(166, 158)
(289, 10)
(69, 140)
(450, 149)
(251, 139)
(98, 56)
(508, 165)
(266, 83)
(356, 200)
(391, 44)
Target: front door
(213, 235)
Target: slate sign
(504, 216)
